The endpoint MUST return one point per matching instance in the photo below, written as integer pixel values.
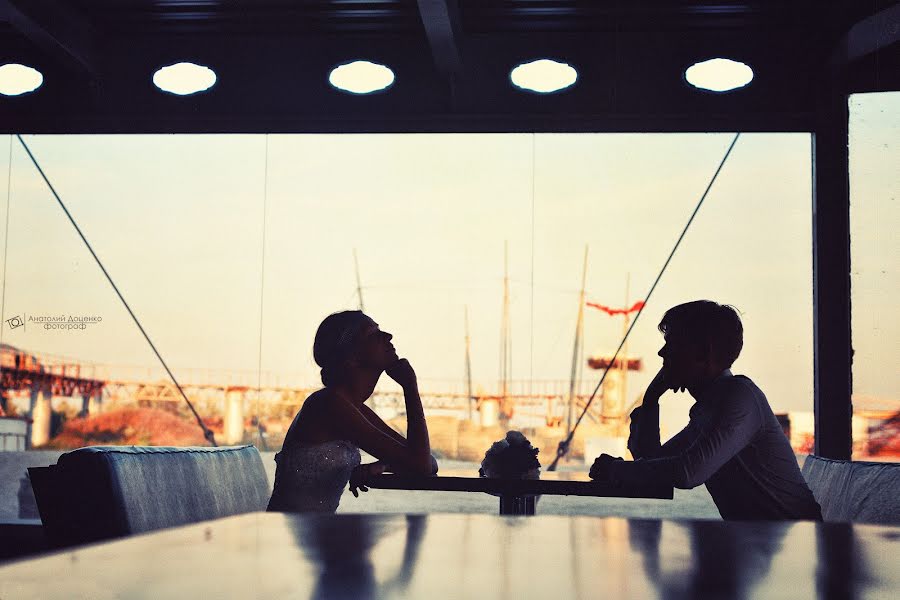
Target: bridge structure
(539, 400)
(234, 394)
(43, 378)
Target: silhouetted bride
(320, 454)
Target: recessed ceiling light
(184, 78)
(719, 75)
(361, 77)
(543, 76)
(16, 79)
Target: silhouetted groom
(733, 442)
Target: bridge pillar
(95, 404)
(41, 413)
(234, 415)
(489, 410)
(90, 404)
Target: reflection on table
(268, 555)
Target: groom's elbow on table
(687, 482)
(670, 471)
(686, 476)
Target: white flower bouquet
(511, 458)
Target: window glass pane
(629, 197)
(232, 249)
(177, 223)
(875, 263)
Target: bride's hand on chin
(403, 373)
(359, 478)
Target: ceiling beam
(57, 29)
(57, 122)
(442, 27)
(875, 32)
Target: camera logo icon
(15, 322)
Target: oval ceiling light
(543, 76)
(184, 78)
(16, 79)
(719, 75)
(361, 77)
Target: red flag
(617, 311)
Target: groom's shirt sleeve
(644, 439)
(720, 427)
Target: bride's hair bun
(329, 376)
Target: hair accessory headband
(349, 334)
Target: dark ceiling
(451, 59)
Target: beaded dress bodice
(311, 478)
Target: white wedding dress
(311, 478)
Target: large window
(875, 263)
(231, 249)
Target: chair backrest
(860, 492)
(108, 491)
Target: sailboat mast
(623, 361)
(358, 282)
(505, 358)
(469, 398)
(577, 347)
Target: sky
(231, 249)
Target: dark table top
(551, 482)
(441, 556)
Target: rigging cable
(531, 340)
(563, 447)
(207, 432)
(6, 242)
(262, 295)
